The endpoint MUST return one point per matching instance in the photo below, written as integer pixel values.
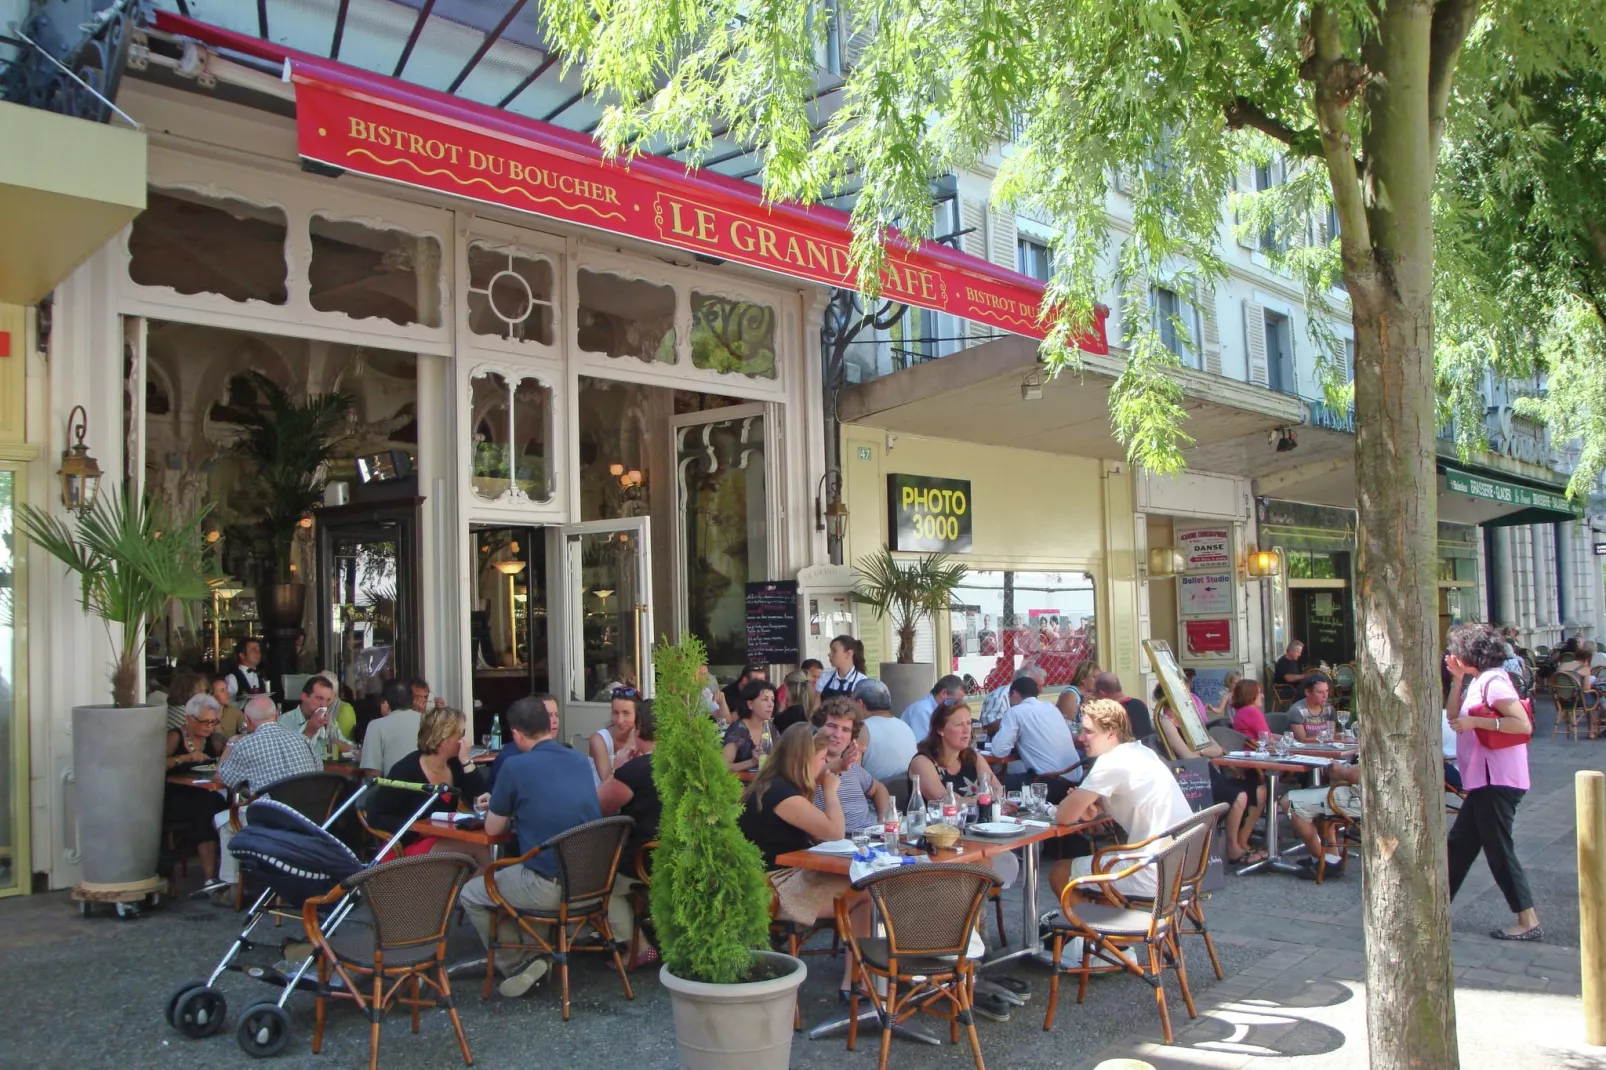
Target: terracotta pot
(735, 1027)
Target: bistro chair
(1190, 912)
(588, 861)
(1568, 691)
(1333, 830)
(1343, 685)
(1109, 929)
(312, 795)
(411, 902)
(1277, 722)
(928, 914)
(901, 788)
(641, 897)
(1228, 738)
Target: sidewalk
(1516, 1004)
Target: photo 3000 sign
(927, 513)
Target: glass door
(722, 526)
(607, 569)
(368, 595)
(13, 702)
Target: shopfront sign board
(1205, 548)
(927, 513)
(1208, 593)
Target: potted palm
(290, 442)
(907, 593)
(710, 902)
(134, 559)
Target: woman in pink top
(1495, 779)
(1247, 716)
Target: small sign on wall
(1208, 638)
(1206, 593)
(927, 513)
(1204, 548)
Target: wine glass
(861, 844)
(1343, 720)
(1262, 741)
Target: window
(1349, 360)
(509, 296)
(1279, 354)
(1033, 258)
(623, 317)
(1268, 175)
(1172, 317)
(1316, 565)
(1046, 618)
(510, 421)
(196, 244)
(374, 272)
(729, 335)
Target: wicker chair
(411, 901)
(1343, 685)
(929, 913)
(588, 860)
(641, 898)
(1190, 915)
(312, 795)
(1332, 828)
(1571, 702)
(1107, 929)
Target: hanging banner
(1204, 548)
(356, 121)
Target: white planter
(120, 775)
(735, 1027)
(908, 683)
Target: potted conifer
(710, 901)
(907, 593)
(134, 559)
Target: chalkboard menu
(1193, 776)
(772, 629)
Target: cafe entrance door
(508, 621)
(607, 630)
(1323, 618)
(369, 629)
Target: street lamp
(1263, 563)
(79, 472)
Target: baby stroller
(296, 859)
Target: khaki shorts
(1311, 803)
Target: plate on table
(209, 767)
(1003, 829)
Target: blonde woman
(1223, 705)
(442, 757)
(779, 816)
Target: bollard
(1591, 789)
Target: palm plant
(291, 442)
(907, 593)
(133, 558)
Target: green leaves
(710, 899)
(907, 591)
(133, 559)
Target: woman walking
(1492, 734)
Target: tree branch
(1452, 21)
(1243, 112)
(1337, 80)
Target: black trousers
(1484, 824)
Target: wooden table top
(968, 849)
(446, 830)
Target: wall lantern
(79, 472)
(1165, 561)
(830, 512)
(1263, 563)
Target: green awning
(1523, 503)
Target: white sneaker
(521, 982)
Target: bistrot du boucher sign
(927, 513)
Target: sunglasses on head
(625, 692)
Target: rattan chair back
(411, 899)
(312, 795)
(930, 910)
(588, 858)
(1197, 860)
(1170, 866)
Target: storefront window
(196, 244)
(374, 273)
(607, 567)
(509, 296)
(511, 421)
(1315, 565)
(728, 335)
(623, 317)
(1004, 620)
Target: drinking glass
(1343, 720)
(861, 844)
(1262, 741)
(1039, 797)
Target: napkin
(880, 860)
(834, 847)
(456, 819)
(1035, 824)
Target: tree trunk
(1410, 988)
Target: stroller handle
(403, 785)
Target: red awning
(387, 128)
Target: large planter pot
(735, 1027)
(119, 773)
(908, 683)
(281, 607)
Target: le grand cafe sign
(928, 514)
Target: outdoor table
(1339, 751)
(449, 830)
(1273, 768)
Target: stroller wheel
(264, 1030)
(200, 1012)
(172, 1001)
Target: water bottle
(950, 808)
(890, 825)
(766, 739)
(496, 732)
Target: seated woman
(186, 808)
(1247, 716)
(946, 758)
(631, 791)
(744, 739)
(615, 745)
(1223, 705)
(1223, 788)
(779, 816)
(1080, 690)
(442, 757)
(795, 707)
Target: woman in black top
(794, 699)
(779, 816)
(442, 757)
(186, 808)
(631, 792)
(744, 739)
(945, 757)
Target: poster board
(1193, 777)
(772, 632)
(1205, 594)
(1205, 548)
(1175, 685)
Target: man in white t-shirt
(1135, 788)
(1035, 733)
(892, 744)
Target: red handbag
(1489, 739)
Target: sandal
(1248, 858)
(645, 957)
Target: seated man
(917, 715)
(267, 753)
(1038, 735)
(394, 732)
(547, 789)
(1287, 675)
(1305, 805)
(314, 718)
(864, 798)
(889, 744)
(1307, 716)
(1133, 785)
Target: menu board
(1177, 695)
(1193, 777)
(772, 623)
